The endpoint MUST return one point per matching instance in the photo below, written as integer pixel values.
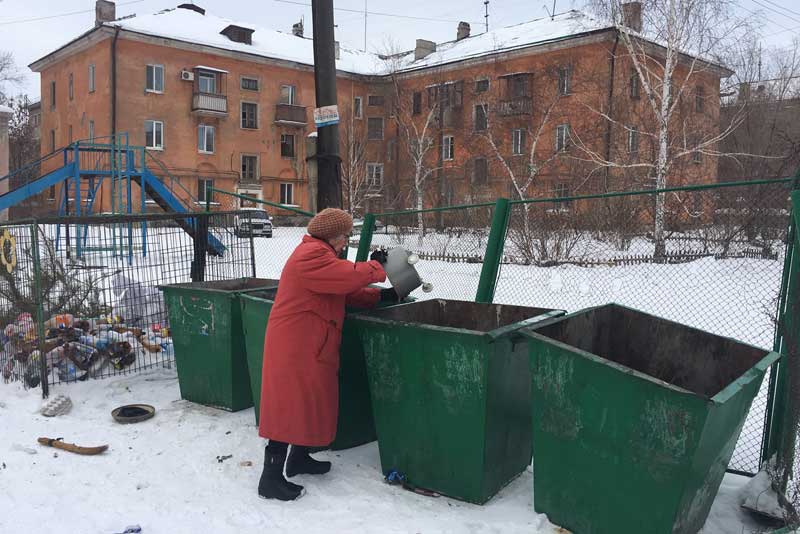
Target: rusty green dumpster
(355, 425)
(206, 327)
(450, 388)
(635, 419)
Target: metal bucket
(401, 274)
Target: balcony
(209, 104)
(516, 106)
(290, 114)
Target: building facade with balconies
(231, 106)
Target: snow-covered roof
(6, 109)
(191, 26)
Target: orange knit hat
(330, 223)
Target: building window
(481, 86)
(52, 140)
(288, 94)
(203, 193)
(635, 85)
(207, 82)
(481, 118)
(249, 84)
(519, 86)
(480, 171)
(155, 79)
(91, 78)
(69, 134)
(561, 191)
(249, 115)
(562, 137)
(518, 141)
(53, 95)
(287, 194)
(205, 138)
(287, 146)
(448, 95)
(71, 86)
(91, 130)
(700, 99)
(154, 135)
(375, 100)
(358, 108)
(633, 140)
(416, 103)
(375, 128)
(375, 174)
(697, 157)
(448, 147)
(391, 146)
(51, 195)
(249, 168)
(564, 81)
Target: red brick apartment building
(225, 102)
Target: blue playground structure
(82, 167)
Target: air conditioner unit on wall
(187, 75)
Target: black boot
(272, 484)
(301, 463)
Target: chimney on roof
(463, 30)
(238, 34)
(424, 49)
(192, 7)
(104, 11)
(632, 15)
(297, 29)
(336, 47)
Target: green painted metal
(206, 327)
(365, 239)
(450, 388)
(435, 210)
(265, 202)
(494, 251)
(355, 425)
(635, 419)
(37, 288)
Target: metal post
(329, 177)
(494, 251)
(143, 188)
(365, 240)
(200, 247)
(37, 288)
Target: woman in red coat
(299, 384)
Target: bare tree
(355, 183)
(675, 49)
(8, 74)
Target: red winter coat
(299, 380)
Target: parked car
(256, 223)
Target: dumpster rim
(753, 372)
(492, 335)
(184, 286)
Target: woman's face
(339, 243)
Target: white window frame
(488, 85)
(564, 81)
(156, 126)
(154, 89)
(243, 78)
(292, 95)
(371, 168)
(204, 149)
(201, 191)
(256, 170)
(92, 72)
(204, 75)
(518, 141)
(448, 147)
(289, 187)
(358, 110)
(562, 137)
(91, 131)
(241, 115)
(633, 140)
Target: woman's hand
(380, 255)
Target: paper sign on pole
(326, 116)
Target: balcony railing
(516, 106)
(210, 103)
(290, 114)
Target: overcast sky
(434, 20)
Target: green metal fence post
(37, 289)
(365, 239)
(494, 251)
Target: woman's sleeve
(328, 274)
(364, 298)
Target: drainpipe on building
(612, 73)
(5, 117)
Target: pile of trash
(77, 349)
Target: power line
(20, 21)
(784, 8)
(773, 10)
(765, 17)
(378, 13)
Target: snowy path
(163, 475)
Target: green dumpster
(635, 419)
(450, 388)
(206, 327)
(355, 425)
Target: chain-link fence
(79, 297)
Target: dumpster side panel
(356, 425)
(428, 394)
(611, 450)
(508, 413)
(723, 426)
(255, 313)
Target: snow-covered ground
(163, 474)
